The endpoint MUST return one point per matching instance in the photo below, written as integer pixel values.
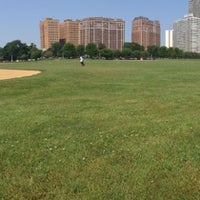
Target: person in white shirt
(82, 60)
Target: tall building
(169, 38)
(70, 32)
(146, 32)
(49, 32)
(187, 34)
(99, 30)
(107, 31)
(194, 8)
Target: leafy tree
(80, 50)
(133, 46)
(171, 53)
(153, 51)
(106, 53)
(56, 49)
(69, 50)
(117, 53)
(1, 54)
(102, 50)
(191, 55)
(17, 50)
(14, 50)
(91, 50)
(126, 53)
(101, 46)
(163, 52)
(136, 54)
(34, 52)
(47, 54)
(144, 54)
(23, 53)
(178, 52)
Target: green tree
(69, 50)
(133, 46)
(163, 52)
(126, 53)
(23, 53)
(117, 53)
(106, 53)
(144, 54)
(136, 54)
(191, 55)
(171, 53)
(153, 51)
(47, 54)
(102, 50)
(80, 50)
(1, 54)
(178, 52)
(15, 50)
(101, 46)
(91, 50)
(56, 49)
(34, 52)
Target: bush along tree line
(16, 51)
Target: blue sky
(19, 19)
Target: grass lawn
(110, 130)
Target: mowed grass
(109, 130)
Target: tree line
(16, 50)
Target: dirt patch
(8, 73)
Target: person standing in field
(82, 60)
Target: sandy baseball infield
(9, 73)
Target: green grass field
(112, 130)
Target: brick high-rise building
(99, 30)
(107, 31)
(49, 32)
(70, 31)
(146, 32)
